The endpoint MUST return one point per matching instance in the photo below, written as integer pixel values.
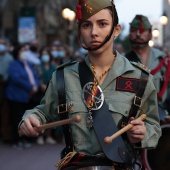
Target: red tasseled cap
(79, 12)
(141, 29)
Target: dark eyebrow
(102, 20)
(99, 20)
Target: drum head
(159, 158)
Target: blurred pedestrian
(63, 53)
(33, 53)
(5, 59)
(23, 83)
(56, 59)
(139, 36)
(47, 69)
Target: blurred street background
(49, 20)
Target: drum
(159, 158)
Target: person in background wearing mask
(103, 91)
(80, 54)
(5, 60)
(139, 36)
(8, 46)
(47, 69)
(56, 60)
(33, 53)
(62, 54)
(23, 83)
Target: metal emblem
(98, 97)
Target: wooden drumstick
(54, 124)
(58, 123)
(109, 139)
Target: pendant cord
(96, 82)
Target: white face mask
(55, 53)
(62, 54)
(2, 48)
(45, 58)
(23, 56)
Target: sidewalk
(34, 158)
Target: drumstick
(58, 123)
(109, 139)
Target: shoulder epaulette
(141, 66)
(70, 62)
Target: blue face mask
(62, 54)
(2, 48)
(45, 58)
(55, 53)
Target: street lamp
(151, 43)
(164, 22)
(69, 15)
(155, 34)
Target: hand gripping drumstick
(58, 123)
(109, 139)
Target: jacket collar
(120, 66)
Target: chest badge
(127, 84)
(93, 99)
(96, 96)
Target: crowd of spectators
(25, 70)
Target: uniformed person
(102, 90)
(139, 36)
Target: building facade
(45, 14)
(166, 28)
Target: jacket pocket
(119, 109)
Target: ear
(117, 30)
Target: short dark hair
(16, 51)
(114, 14)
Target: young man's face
(140, 39)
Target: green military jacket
(119, 103)
(154, 59)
